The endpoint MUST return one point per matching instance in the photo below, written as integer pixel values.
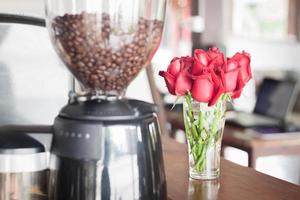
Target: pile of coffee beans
(100, 53)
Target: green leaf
(203, 134)
(174, 104)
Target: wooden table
(235, 183)
(255, 147)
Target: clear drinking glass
(204, 130)
(105, 43)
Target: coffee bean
(102, 57)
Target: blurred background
(269, 31)
(34, 84)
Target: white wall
(266, 54)
(32, 7)
(213, 16)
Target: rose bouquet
(206, 81)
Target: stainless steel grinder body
(107, 150)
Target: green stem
(188, 98)
(199, 142)
(200, 121)
(218, 114)
(200, 161)
(203, 158)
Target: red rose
(243, 60)
(216, 58)
(177, 76)
(200, 63)
(236, 73)
(188, 62)
(207, 75)
(204, 61)
(207, 88)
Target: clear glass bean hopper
(105, 43)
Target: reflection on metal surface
(130, 166)
(203, 190)
(23, 185)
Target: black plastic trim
(22, 19)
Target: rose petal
(218, 88)
(201, 56)
(200, 62)
(218, 92)
(216, 57)
(197, 68)
(174, 67)
(183, 84)
(230, 80)
(188, 62)
(245, 69)
(243, 60)
(239, 87)
(237, 56)
(170, 81)
(231, 65)
(202, 89)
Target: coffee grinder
(104, 145)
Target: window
(267, 19)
